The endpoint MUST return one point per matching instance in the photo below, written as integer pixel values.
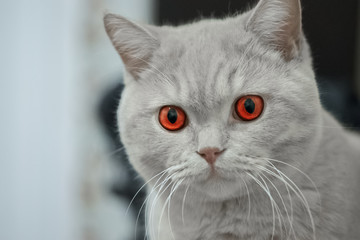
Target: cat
(223, 120)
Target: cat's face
(204, 69)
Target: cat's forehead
(199, 48)
(209, 65)
(214, 76)
(205, 38)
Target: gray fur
(204, 68)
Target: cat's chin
(219, 188)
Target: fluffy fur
(291, 174)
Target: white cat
(223, 120)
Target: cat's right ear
(135, 43)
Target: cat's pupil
(172, 115)
(249, 105)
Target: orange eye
(172, 118)
(249, 107)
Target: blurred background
(63, 172)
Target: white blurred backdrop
(56, 63)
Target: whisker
(145, 201)
(165, 203)
(132, 200)
(272, 204)
(169, 206)
(288, 192)
(283, 203)
(289, 195)
(300, 171)
(299, 194)
(153, 203)
(162, 212)
(158, 195)
(115, 151)
(269, 160)
(275, 205)
(183, 204)
(248, 193)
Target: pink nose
(210, 154)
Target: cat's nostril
(210, 154)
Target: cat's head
(216, 100)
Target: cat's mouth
(219, 173)
(224, 171)
(226, 174)
(226, 178)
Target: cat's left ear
(135, 43)
(278, 23)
